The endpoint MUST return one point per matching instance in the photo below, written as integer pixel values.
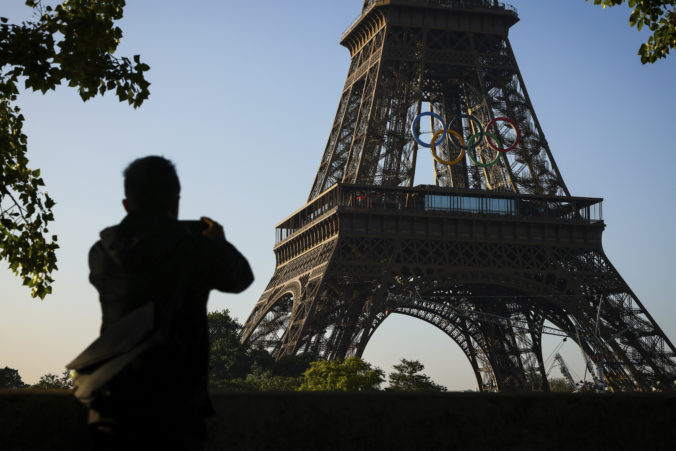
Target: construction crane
(565, 371)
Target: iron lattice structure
(487, 255)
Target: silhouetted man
(159, 400)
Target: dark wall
(335, 421)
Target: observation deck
(446, 14)
(440, 213)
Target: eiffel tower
(489, 253)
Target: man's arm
(229, 271)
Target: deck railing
(435, 200)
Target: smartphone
(195, 227)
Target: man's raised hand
(214, 230)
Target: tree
(293, 365)
(72, 43)
(408, 376)
(52, 381)
(352, 374)
(260, 380)
(657, 15)
(235, 366)
(228, 358)
(9, 378)
(560, 385)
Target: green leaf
(67, 44)
(659, 16)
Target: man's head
(151, 185)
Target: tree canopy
(408, 376)
(659, 16)
(9, 378)
(74, 43)
(351, 374)
(228, 359)
(560, 385)
(52, 381)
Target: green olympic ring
(470, 145)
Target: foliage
(228, 358)
(560, 385)
(239, 384)
(260, 358)
(293, 365)
(533, 380)
(408, 376)
(260, 380)
(9, 378)
(267, 375)
(234, 366)
(73, 42)
(352, 374)
(52, 381)
(657, 15)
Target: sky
(243, 97)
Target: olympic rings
(472, 119)
(516, 130)
(471, 152)
(416, 135)
(457, 139)
(462, 148)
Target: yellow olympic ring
(434, 148)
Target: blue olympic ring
(416, 134)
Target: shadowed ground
(54, 420)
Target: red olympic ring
(510, 122)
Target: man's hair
(151, 184)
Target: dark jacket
(157, 259)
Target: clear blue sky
(243, 96)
